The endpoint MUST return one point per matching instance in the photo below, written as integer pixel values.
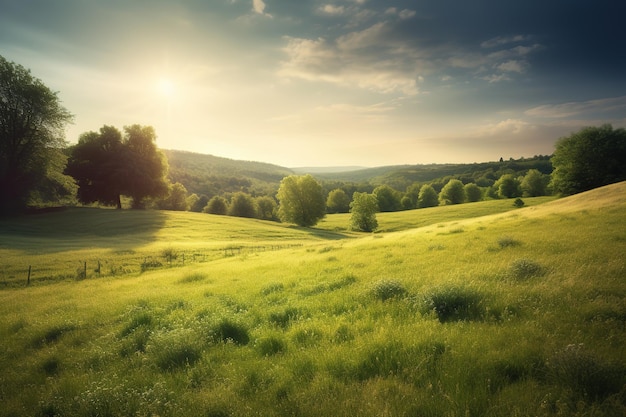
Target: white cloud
(513, 66)
(578, 107)
(259, 7)
(333, 10)
(406, 14)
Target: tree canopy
(301, 200)
(32, 125)
(453, 192)
(107, 165)
(589, 158)
(363, 208)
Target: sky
(330, 82)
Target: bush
(454, 304)
(523, 269)
(385, 290)
(579, 370)
(175, 349)
(228, 331)
(508, 242)
(272, 345)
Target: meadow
(473, 310)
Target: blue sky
(321, 83)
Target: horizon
(330, 83)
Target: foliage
(452, 193)
(454, 303)
(518, 202)
(32, 123)
(338, 201)
(301, 200)
(427, 197)
(216, 205)
(508, 187)
(266, 208)
(384, 290)
(522, 269)
(176, 199)
(107, 165)
(535, 184)
(242, 205)
(388, 198)
(589, 158)
(363, 212)
(473, 192)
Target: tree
(508, 186)
(452, 193)
(473, 192)
(534, 183)
(427, 197)
(338, 201)
(589, 158)
(176, 200)
(266, 208)
(242, 205)
(301, 200)
(145, 166)
(216, 205)
(32, 124)
(388, 198)
(413, 193)
(107, 165)
(363, 208)
(95, 163)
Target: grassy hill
(490, 312)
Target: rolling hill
(507, 312)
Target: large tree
(107, 165)
(32, 125)
(589, 158)
(301, 200)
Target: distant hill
(212, 175)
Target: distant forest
(215, 176)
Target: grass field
(473, 310)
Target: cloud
(575, 108)
(259, 7)
(504, 40)
(370, 59)
(504, 127)
(332, 10)
(513, 65)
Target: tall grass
(373, 326)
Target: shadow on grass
(321, 233)
(49, 231)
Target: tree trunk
(119, 202)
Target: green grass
(435, 319)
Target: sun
(165, 87)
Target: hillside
(212, 175)
(517, 312)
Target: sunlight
(166, 87)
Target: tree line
(125, 167)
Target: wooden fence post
(28, 279)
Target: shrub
(508, 242)
(175, 349)
(523, 269)
(579, 370)
(229, 331)
(272, 345)
(385, 290)
(454, 304)
(518, 202)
